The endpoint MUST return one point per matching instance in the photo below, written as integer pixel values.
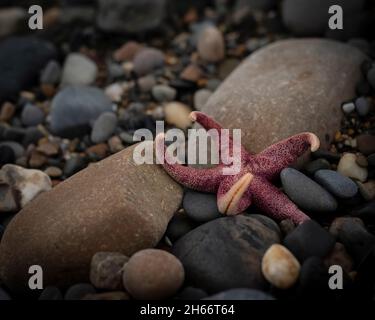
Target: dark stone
(309, 239)
(241, 294)
(180, 225)
(226, 253)
(21, 59)
(316, 165)
(78, 291)
(201, 207)
(74, 164)
(306, 193)
(12, 134)
(32, 135)
(371, 160)
(354, 236)
(2, 229)
(366, 144)
(365, 212)
(337, 184)
(6, 155)
(51, 293)
(32, 115)
(328, 155)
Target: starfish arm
(272, 160)
(275, 203)
(205, 180)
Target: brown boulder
(285, 88)
(114, 205)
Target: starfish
(253, 183)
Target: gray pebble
(306, 193)
(201, 207)
(163, 93)
(51, 74)
(32, 115)
(362, 106)
(348, 107)
(104, 127)
(336, 183)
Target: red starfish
(253, 183)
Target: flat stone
(113, 205)
(305, 80)
(305, 192)
(226, 253)
(337, 184)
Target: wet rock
(309, 239)
(216, 257)
(254, 97)
(153, 274)
(64, 232)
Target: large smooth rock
(114, 205)
(226, 253)
(288, 87)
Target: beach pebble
(365, 212)
(367, 190)
(78, 291)
(106, 270)
(29, 183)
(32, 115)
(75, 107)
(280, 267)
(371, 159)
(103, 128)
(147, 60)
(309, 239)
(127, 52)
(146, 83)
(316, 165)
(362, 106)
(152, 274)
(7, 155)
(115, 91)
(163, 93)
(348, 107)
(78, 70)
(201, 97)
(216, 257)
(366, 143)
(339, 185)
(177, 113)
(211, 45)
(361, 160)
(53, 172)
(348, 167)
(179, 225)
(51, 293)
(191, 73)
(241, 294)
(306, 193)
(201, 207)
(51, 74)
(7, 111)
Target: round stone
(147, 60)
(336, 183)
(177, 113)
(280, 267)
(103, 127)
(32, 115)
(201, 207)
(309, 239)
(180, 225)
(106, 270)
(74, 108)
(163, 93)
(348, 107)
(348, 167)
(366, 143)
(78, 70)
(306, 193)
(153, 274)
(226, 253)
(211, 45)
(362, 106)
